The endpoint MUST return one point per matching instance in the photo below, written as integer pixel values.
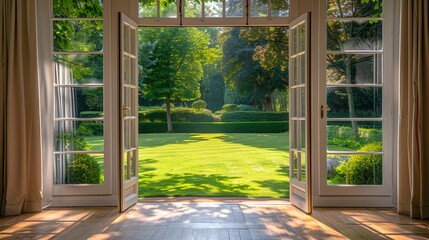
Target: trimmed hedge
(90, 114)
(178, 115)
(253, 116)
(216, 127)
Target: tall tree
(255, 62)
(174, 68)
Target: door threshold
(215, 200)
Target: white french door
(299, 113)
(128, 159)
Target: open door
(299, 113)
(128, 94)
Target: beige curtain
(413, 163)
(21, 156)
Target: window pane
(355, 8)
(82, 36)
(354, 136)
(79, 136)
(79, 168)
(259, 8)
(213, 8)
(354, 102)
(78, 68)
(78, 102)
(77, 9)
(168, 9)
(193, 8)
(354, 35)
(147, 8)
(234, 8)
(295, 164)
(361, 69)
(303, 165)
(356, 169)
(280, 8)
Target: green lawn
(239, 164)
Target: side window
(77, 55)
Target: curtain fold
(413, 153)
(21, 156)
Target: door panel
(128, 163)
(299, 117)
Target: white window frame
(358, 195)
(62, 192)
(246, 20)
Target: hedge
(177, 115)
(216, 127)
(90, 114)
(253, 116)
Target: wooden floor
(212, 219)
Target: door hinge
(322, 111)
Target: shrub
(244, 107)
(165, 106)
(342, 136)
(229, 108)
(199, 105)
(91, 114)
(90, 129)
(252, 116)
(83, 169)
(178, 115)
(363, 168)
(215, 127)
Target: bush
(215, 127)
(164, 106)
(199, 105)
(229, 108)
(83, 169)
(342, 136)
(90, 129)
(178, 115)
(244, 107)
(363, 169)
(91, 114)
(252, 116)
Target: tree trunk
(350, 98)
(268, 105)
(168, 108)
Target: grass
(239, 165)
(211, 164)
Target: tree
(254, 62)
(176, 64)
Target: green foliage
(229, 108)
(91, 114)
(83, 169)
(363, 168)
(215, 127)
(199, 105)
(253, 116)
(175, 66)
(342, 136)
(90, 129)
(244, 107)
(177, 115)
(253, 64)
(164, 106)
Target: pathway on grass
(215, 164)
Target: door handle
(322, 111)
